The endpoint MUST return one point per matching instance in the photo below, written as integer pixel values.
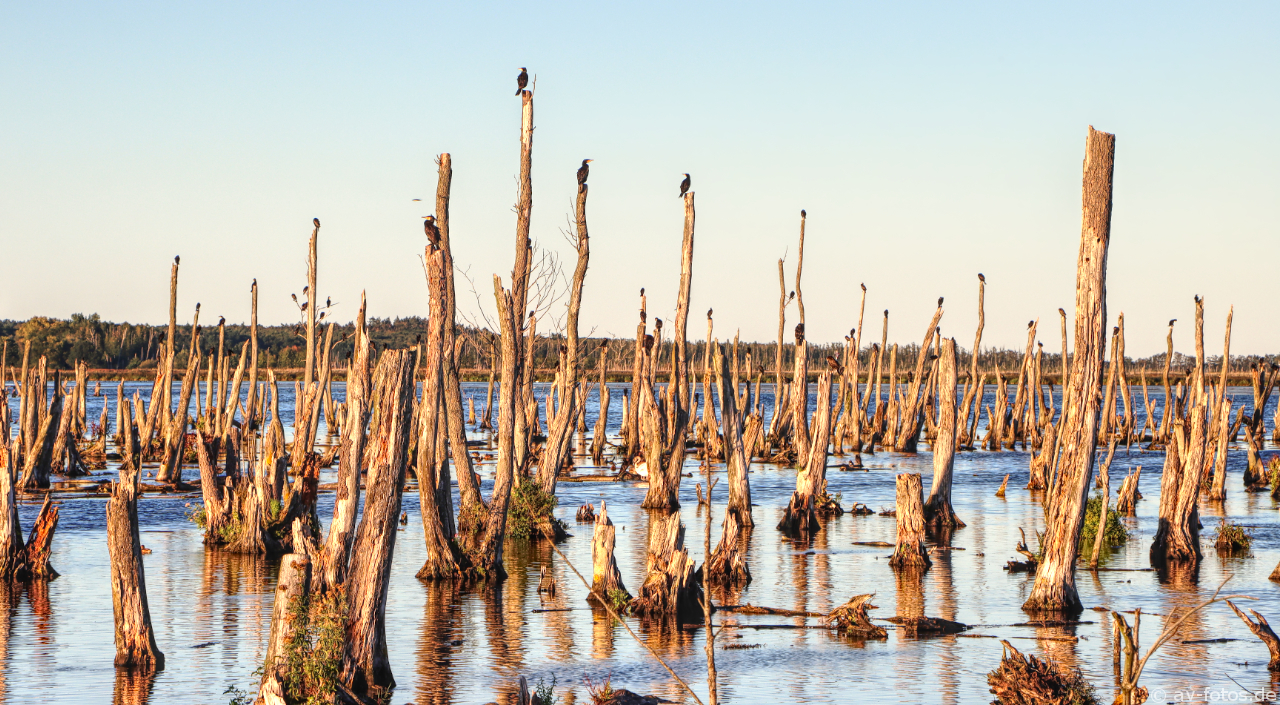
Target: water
(211, 610)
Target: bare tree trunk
(737, 457)
(910, 552)
(973, 395)
(366, 669)
(938, 510)
(606, 580)
(293, 585)
(602, 404)
(1054, 589)
(135, 640)
(520, 273)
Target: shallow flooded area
(212, 610)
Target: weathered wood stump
(910, 552)
(728, 564)
(1027, 680)
(1263, 631)
(294, 584)
(606, 580)
(1127, 498)
(851, 619)
(672, 587)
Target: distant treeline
(126, 346)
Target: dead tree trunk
(665, 493)
(1128, 496)
(556, 449)
(672, 587)
(912, 414)
(435, 500)
(938, 510)
(1178, 535)
(175, 440)
(810, 496)
(331, 569)
(602, 403)
(1055, 589)
(910, 553)
(135, 640)
(366, 669)
(1263, 631)
(294, 584)
(737, 456)
(974, 388)
(728, 563)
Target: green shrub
(545, 692)
(1114, 533)
(313, 653)
(529, 505)
(1232, 537)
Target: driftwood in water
(365, 667)
(672, 587)
(851, 619)
(937, 510)
(606, 580)
(1055, 589)
(910, 552)
(134, 637)
(1258, 625)
(924, 626)
(1027, 680)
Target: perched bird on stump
(433, 232)
(177, 259)
(981, 278)
(316, 221)
(684, 186)
(582, 174)
(522, 80)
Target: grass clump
(545, 692)
(530, 507)
(618, 600)
(601, 693)
(313, 653)
(1113, 533)
(1232, 537)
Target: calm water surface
(211, 610)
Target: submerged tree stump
(910, 552)
(1027, 680)
(606, 580)
(40, 542)
(728, 563)
(135, 639)
(938, 511)
(1128, 496)
(851, 619)
(672, 587)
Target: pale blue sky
(928, 142)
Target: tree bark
(910, 553)
(938, 510)
(606, 580)
(134, 637)
(1054, 588)
(366, 668)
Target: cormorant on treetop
(582, 173)
(522, 80)
(684, 186)
(433, 233)
(316, 221)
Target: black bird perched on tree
(522, 80)
(981, 278)
(177, 259)
(433, 232)
(316, 221)
(582, 174)
(684, 186)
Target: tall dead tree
(556, 449)
(974, 388)
(520, 273)
(737, 457)
(135, 639)
(366, 669)
(910, 553)
(1177, 537)
(1055, 589)
(664, 482)
(912, 412)
(938, 510)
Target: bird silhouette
(684, 186)
(433, 232)
(177, 259)
(316, 221)
(522, 80)
(582, 174)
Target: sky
(928, 142)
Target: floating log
(925, 626)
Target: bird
(1171, 321)
(522, 80)
(328, 301)
(684, 186)
(433, 233)
(803, 214)
(177, 259)
(295, 297)
(582, 174)
(316, 221)
(981, 278)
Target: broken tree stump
(672, 587)
(294, 584)
(1027, 680)
(910, 551)
(851, 619)
(606, 580)
(728, 565)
